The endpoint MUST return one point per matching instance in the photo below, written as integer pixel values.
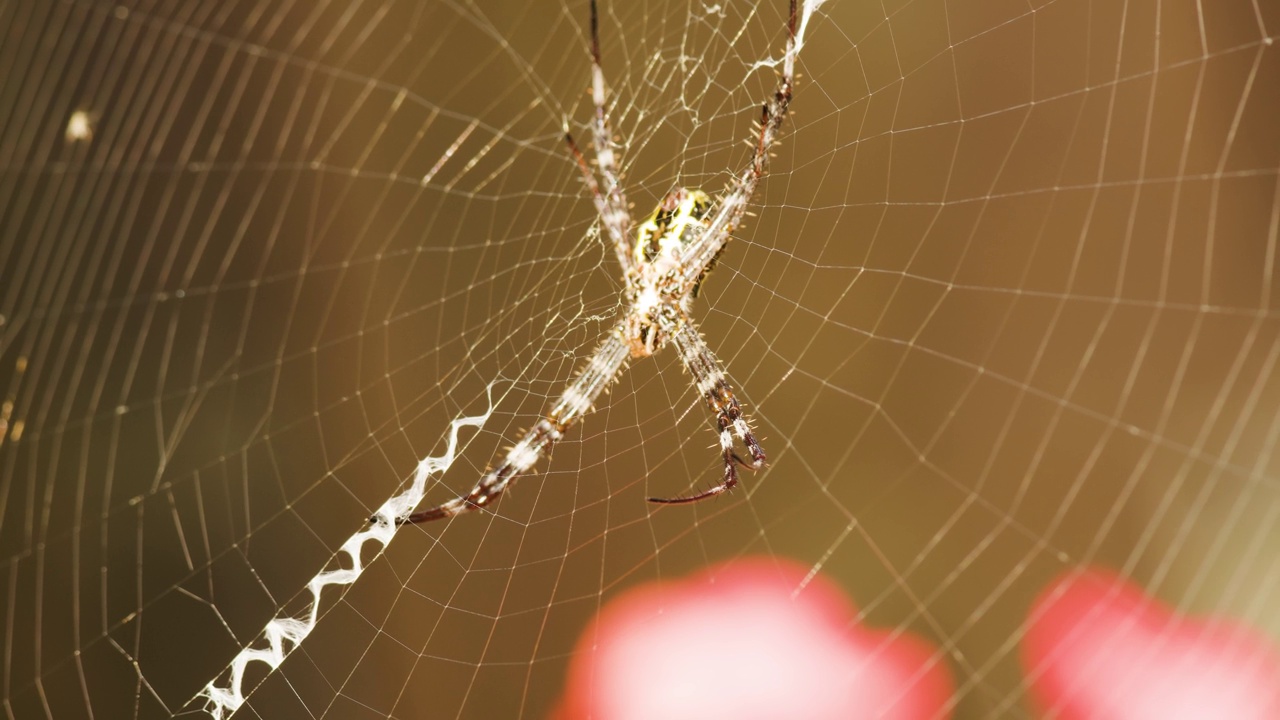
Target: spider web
(1008, 308)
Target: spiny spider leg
(576, 401)
(728, 214)
(611, 204)
(710, 380)
(618, 218)
(621, 249)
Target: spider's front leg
(611, 201)
(698, 256)
(576, 401)
(710, 380)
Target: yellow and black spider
(663, 265)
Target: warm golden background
(1009, 308)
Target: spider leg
(710, 380)
(576, 401)
(611, 201)
(728, 214)
(617, 216)
(618, 238)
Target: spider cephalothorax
(663, 265)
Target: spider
(663, 267)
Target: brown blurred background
(1008, 308)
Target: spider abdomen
(658, 297)
(674, 224)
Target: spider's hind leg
(730, 422)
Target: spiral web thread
(282, 635)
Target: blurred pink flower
(732, 642)
(1097, 647)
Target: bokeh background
(1009, 307)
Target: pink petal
(732, 642)
(1098, 647)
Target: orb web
(1007, 307)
